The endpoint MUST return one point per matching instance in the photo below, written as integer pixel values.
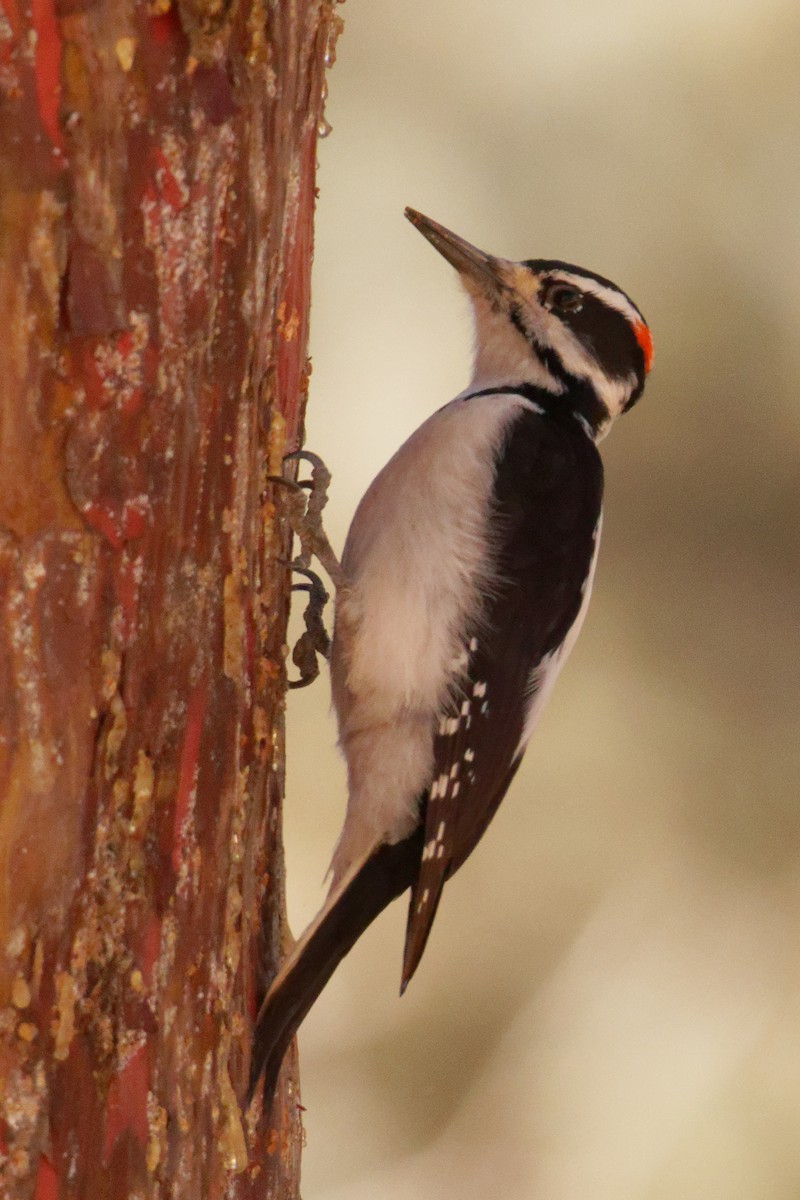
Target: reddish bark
(156, 203)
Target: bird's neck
(497, 363)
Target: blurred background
(609, 1006)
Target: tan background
(608, 1007)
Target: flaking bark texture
(156, 198)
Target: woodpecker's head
(549, 324)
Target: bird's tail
(353, 905)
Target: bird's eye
(561, 297)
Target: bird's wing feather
(546, 509)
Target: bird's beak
(489, 273)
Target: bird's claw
(305, 501)
(315, 640)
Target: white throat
(503, 355)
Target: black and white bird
(466, 577)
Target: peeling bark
(157, 170)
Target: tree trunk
(156, 204)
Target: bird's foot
(315, 640)
(305, 500)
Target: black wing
(547, 504)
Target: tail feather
(426, 893)
(362, 894)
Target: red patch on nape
(643, 337)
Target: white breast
(417, 555)
(417, 562)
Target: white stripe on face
(609, 295)
(579, 361)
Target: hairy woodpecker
(465, 580)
